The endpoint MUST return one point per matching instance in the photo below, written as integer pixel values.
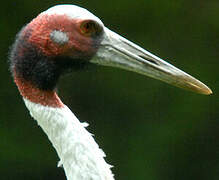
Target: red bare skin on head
(78, 46)
(35, 95)
(38, 33)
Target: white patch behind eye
(59, 37)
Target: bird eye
(90, 28)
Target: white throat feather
(81, 157)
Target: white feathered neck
(79, 154)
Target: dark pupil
(89, 26)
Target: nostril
(147, 59)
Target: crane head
(67, 35)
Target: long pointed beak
(117, 51)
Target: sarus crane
(66, 38)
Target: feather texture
(81, 157)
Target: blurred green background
(148, 129)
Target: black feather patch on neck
(29, 63)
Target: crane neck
(36, 95)
(79, 154)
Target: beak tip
(196, 86)
(205, 90)
(208, 91)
